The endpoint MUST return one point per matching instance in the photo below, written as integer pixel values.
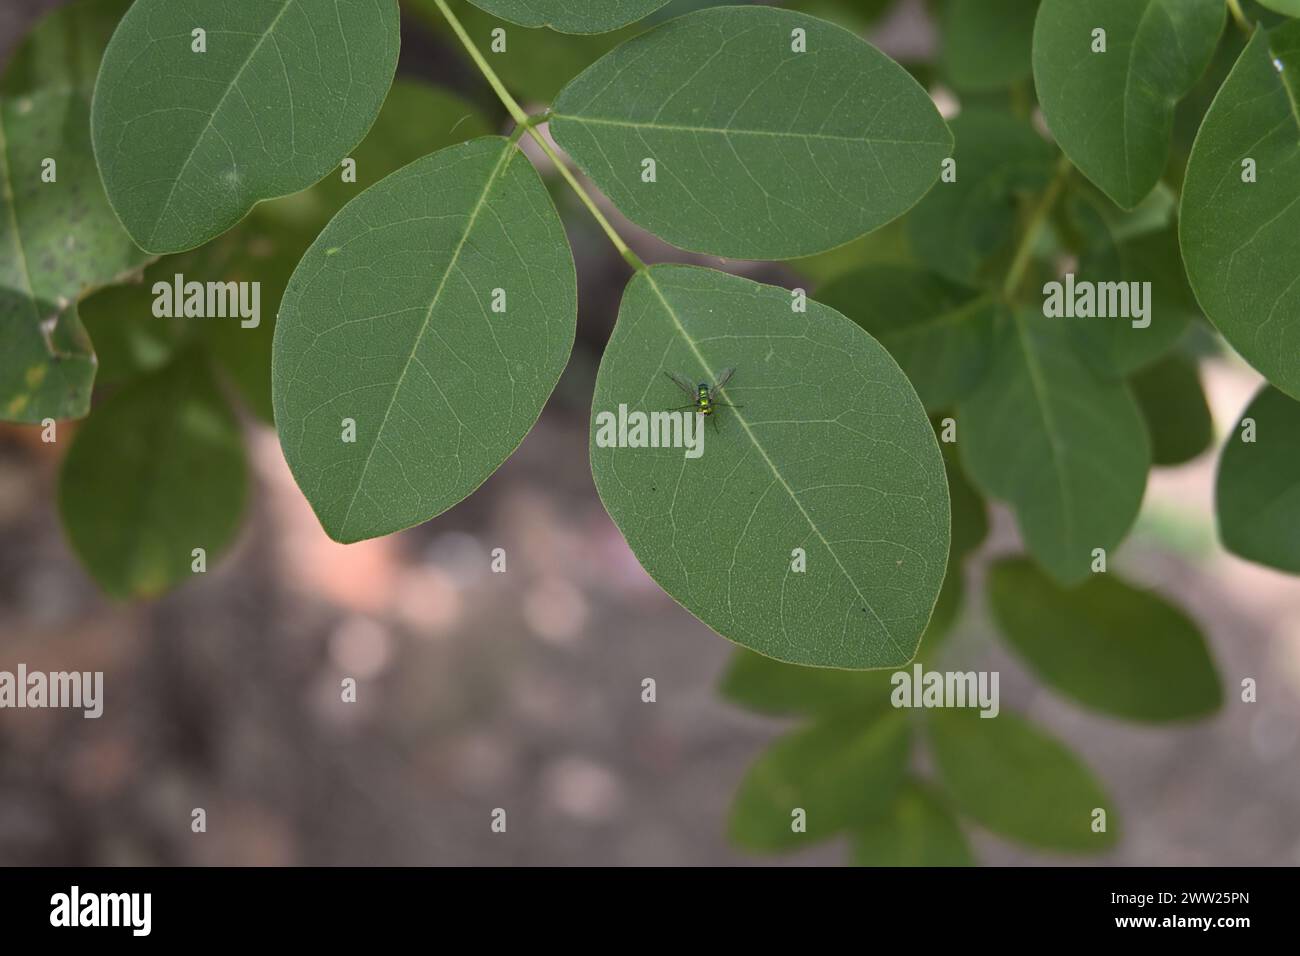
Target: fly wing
(723, 379)
(684, 385)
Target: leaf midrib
(744, 424)
(503, 161)
(221, 100)
(730, 130)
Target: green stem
(528, 124)
(1025, 250)
(1234, 7)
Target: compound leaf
(188, 142)
(840, 771)
(58, 238)
(170, 450)
(1257, 494)
(1240, 218)
(572, 16)
(428, 322)
(758, 151)
(1112, 111)
(1067, 450)
(1110, 646)
(1016, 780)
(831, 453)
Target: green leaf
(1290, 7)
(1106, 644)
(1115, 347)
(728, 112)
(840, 771)
(265, 248)
(831, 453)
(965, 229)
(1239, 239)
(170, 450)
(188, 142)
(941, 333)
(987, 43)
(57, 239)
(1068, 451)
(1257, 494)
(769, 686)
(1113, 112)
(572, 16)
(1020, 783)
(918, 829)
(389, 322)
(1175, 408)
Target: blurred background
(522, 690)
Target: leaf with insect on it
(832, 453)
(188, 142)
(1110, 646)
(1014, 779)
(57, 239)
(684, 96)
(170, 449)
(391, 321)
(1112, 112)
(1240, 239)
(572, 16)
(840, 771)
(1067, 450)
(1257, 493)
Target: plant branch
(528, 124)
(1234, 7)
(1033, 226)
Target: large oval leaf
(1011, 777)
(1241, 240)
(1109, 645)
(391, 322)
(1068, 451)
(831, 453)
(1257, 494)
(1113, 111)
(840, 771)
(169, 449)
(572, 16)
(759, 152)
(187, 142)
(57, 239)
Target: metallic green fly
(704, 399)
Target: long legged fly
(704, 398)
